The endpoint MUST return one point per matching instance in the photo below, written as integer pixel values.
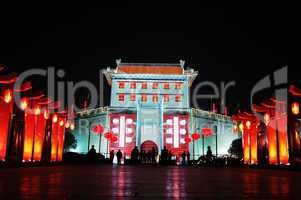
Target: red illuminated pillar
(54, 137)
(28, 136)
(246, 144)
(61, 137)
(253, 141)
(272, 142)
(6, 108)
(39, 136)
(282, 139)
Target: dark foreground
(147, 182)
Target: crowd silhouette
(152, 157)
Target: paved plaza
(147, 182)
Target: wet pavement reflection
(147, 182)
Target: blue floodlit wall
(149, 79)
(83, 130)
(222, 127)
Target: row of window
(155, 85)
(144, 97)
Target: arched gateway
(148, 145)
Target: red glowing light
(54, 118)
(266, 119)
(37, 110)
(187, 139)
(67, 124)
(24, 103)
(295, 108)
(108, 135)
(207, 132)
(72, 126)
(62, 122)
(195, 136)
(98, 129)
(248, 124)
(8, 96)
(113, 138)
(235, 128)
(46, 114)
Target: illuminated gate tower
(150, 106)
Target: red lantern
(295, 108)
(207, 132)
(108, 135)
(187, 140)
(195, 136)
(113, 138)
(98, 129)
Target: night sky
(223, 43)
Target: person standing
(112, 156)
(119, 157)
(183, 158)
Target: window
(143, 97)
(121, 85)
(133, 85)
(144, 85)
(166, 85)
(179, 86)
(155, 85)
(121, 97)
(155, 98)
(166, 97)
(178, 98)
(133, 97)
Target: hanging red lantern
(108, 135)
(113, 138)
(207, 131)
(266, 119)
(187, 140)
(24, 103)
(8, 96)
(195, 136)
(98, 129)
(295, 108)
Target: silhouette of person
(183, 158)
(92, 154)
(154, 154)
(209, 153)
(135, 155)
(112, 154)
(119, 157)
(188, 157)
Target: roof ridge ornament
(182, 63)
(118, 61)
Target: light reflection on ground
(147, 182)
